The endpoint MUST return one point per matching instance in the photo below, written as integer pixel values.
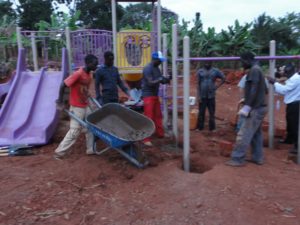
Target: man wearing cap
(152, 78)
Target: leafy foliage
(97, 14)
(254, 36)
(7, 10)
(32, 11)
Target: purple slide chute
(29, 115)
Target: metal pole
(174, 83)
(68, 42)
(165, 72)
(34, 52)
(186, 104)
(298, 154)
(271, 96)
(159, 25)
(19, 38)
(114, 28)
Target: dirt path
(85, 190)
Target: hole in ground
(199, 165)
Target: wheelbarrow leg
(95, 147)
(134, 155)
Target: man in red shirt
(78, 83)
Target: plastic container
(193, 119)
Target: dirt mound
(86, 190)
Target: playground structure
(41, 86)
(186, 88)
(29, 115)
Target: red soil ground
(85, 190)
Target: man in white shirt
(291, 92)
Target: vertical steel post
(271, 96)
(174, 83)
(19, 38)
(34, 51)
(68, 42)
(114, 28)
(298, 154)
(165, 93)
(186, 104)
(159, 25)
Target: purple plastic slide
(29, 115)
(4, 88)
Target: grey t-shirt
(151, 79)
(206, 82)
(255, 88)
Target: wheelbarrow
(120, 129)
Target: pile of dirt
(107, 189)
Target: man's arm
(68, 82)
(61, 93)
(221, 76)
(147, 73)
(198, 86)
(284, 89)
(122, 85)
(97, 84)
(254, 75)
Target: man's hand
(130, 98)
(165, 80)
(241, 101)
(271, 79)
(99, 99)
(59, 105)
(244, 111)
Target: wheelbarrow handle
(95, 102)
(71, 114)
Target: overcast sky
(222, 13)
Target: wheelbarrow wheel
(135, 151)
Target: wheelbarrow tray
(118, 126)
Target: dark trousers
(210, 104)
(106, 100)
(288, 137)
(250, 134)
(292, 117)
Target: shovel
(16, 150)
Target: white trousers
(74, 132)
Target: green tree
(59, 21)
(139, 16)
(262, 32)
(33, 11)
(97, 13)
(285, 31)
(236, 40)
(7, 10)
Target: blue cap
(158, 55)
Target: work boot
(90, 152)
(234, 163)
(293, 151)
(260, 162)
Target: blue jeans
(250, 133)
(240, 122)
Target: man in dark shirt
(152, 78)
(254, 111)
(207, 77)
(109, 78)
